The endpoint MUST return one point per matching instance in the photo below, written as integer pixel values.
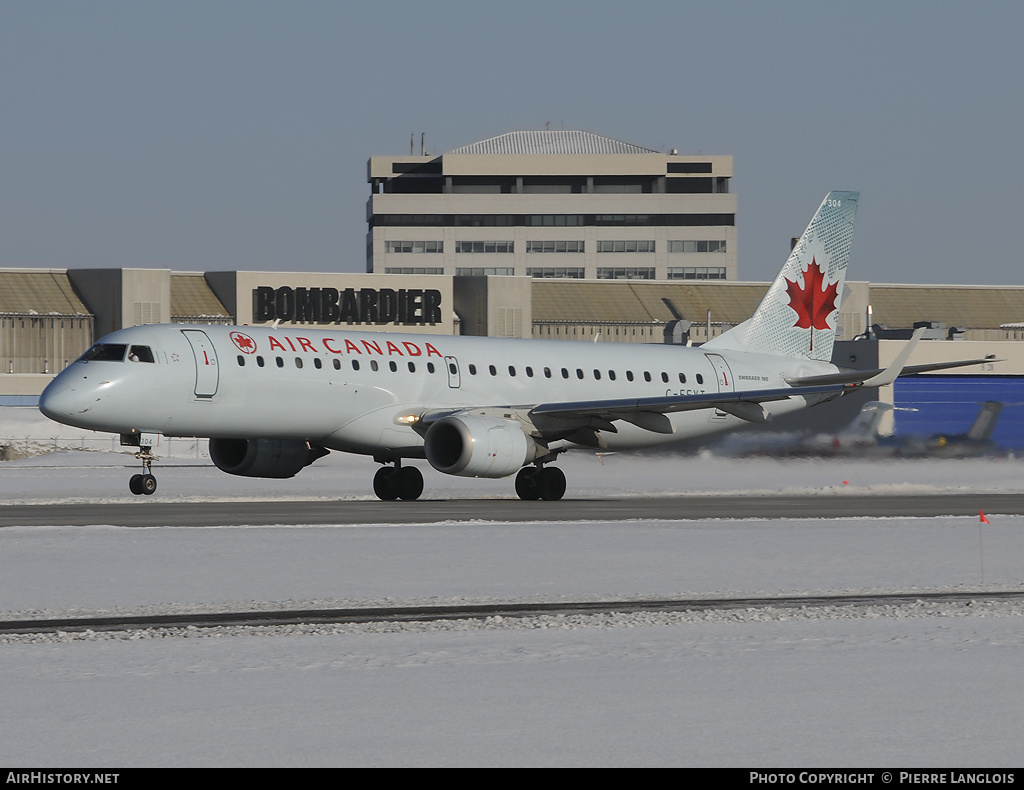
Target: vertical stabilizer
(797, 317)
(985, 423)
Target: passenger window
(241, 361)
(529, 372)
(280, 362)
(298, 362)
(611, 375)
(647, 375)
(337, 364)
(579, 373)
(452, 369)
(511, 370)
(472, 370)
(373, 365)
(597, 375)
(141, 354)
(355, 364)
(565, 373)
(393, 365)
(412, 367)
(682, 378)
(317, 363)
(629, 375)
(700, 379)
(664, 377)
(430, 367)
(493, 370)
(547, 373)
(259, 361)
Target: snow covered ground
(882, 687)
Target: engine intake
(471, 446)
(263, 457)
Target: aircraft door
(722, 371)
(725, 381)
(454, 378)
(207, 374)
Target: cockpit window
(104, 352)
(141, 354)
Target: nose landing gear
(144, 483)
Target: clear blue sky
(235, 134)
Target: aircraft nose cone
(57, 401)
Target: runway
(153, 512)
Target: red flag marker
(982, 519)
(846, 482)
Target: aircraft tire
(135, 484)
(409, 482)
(527, 486)
(384, 484)
(148, 484)
(551, 482)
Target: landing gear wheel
(409, 482)
(146, 482)
(526, 483)
(384, 484)
(551, 482)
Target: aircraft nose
(57, 400)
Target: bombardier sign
(408, 306)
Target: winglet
(891, 373)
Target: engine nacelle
(472, 446)
(263, 457)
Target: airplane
(272, 399)
(977, 440)
(860, 437)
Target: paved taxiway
(154, 512)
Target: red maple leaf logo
(243, 342)
(815, 301)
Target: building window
(575, 272)
(697, 246)
(625, 273)
(696, 273)
(484, 246)
(554, 246)
(463, 271)
(413, 270)
(414, 246)
(554, 220)
(627, 245)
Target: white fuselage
(349, 390)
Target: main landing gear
(406, 482)
(398, 482)
(540, 482)
(144, 483)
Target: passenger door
(207, 374)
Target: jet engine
(472, 446)
(263, 457)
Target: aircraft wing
(649, 413)
(857, 377)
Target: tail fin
(985, 423)
(865, 426)
(797, 317)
